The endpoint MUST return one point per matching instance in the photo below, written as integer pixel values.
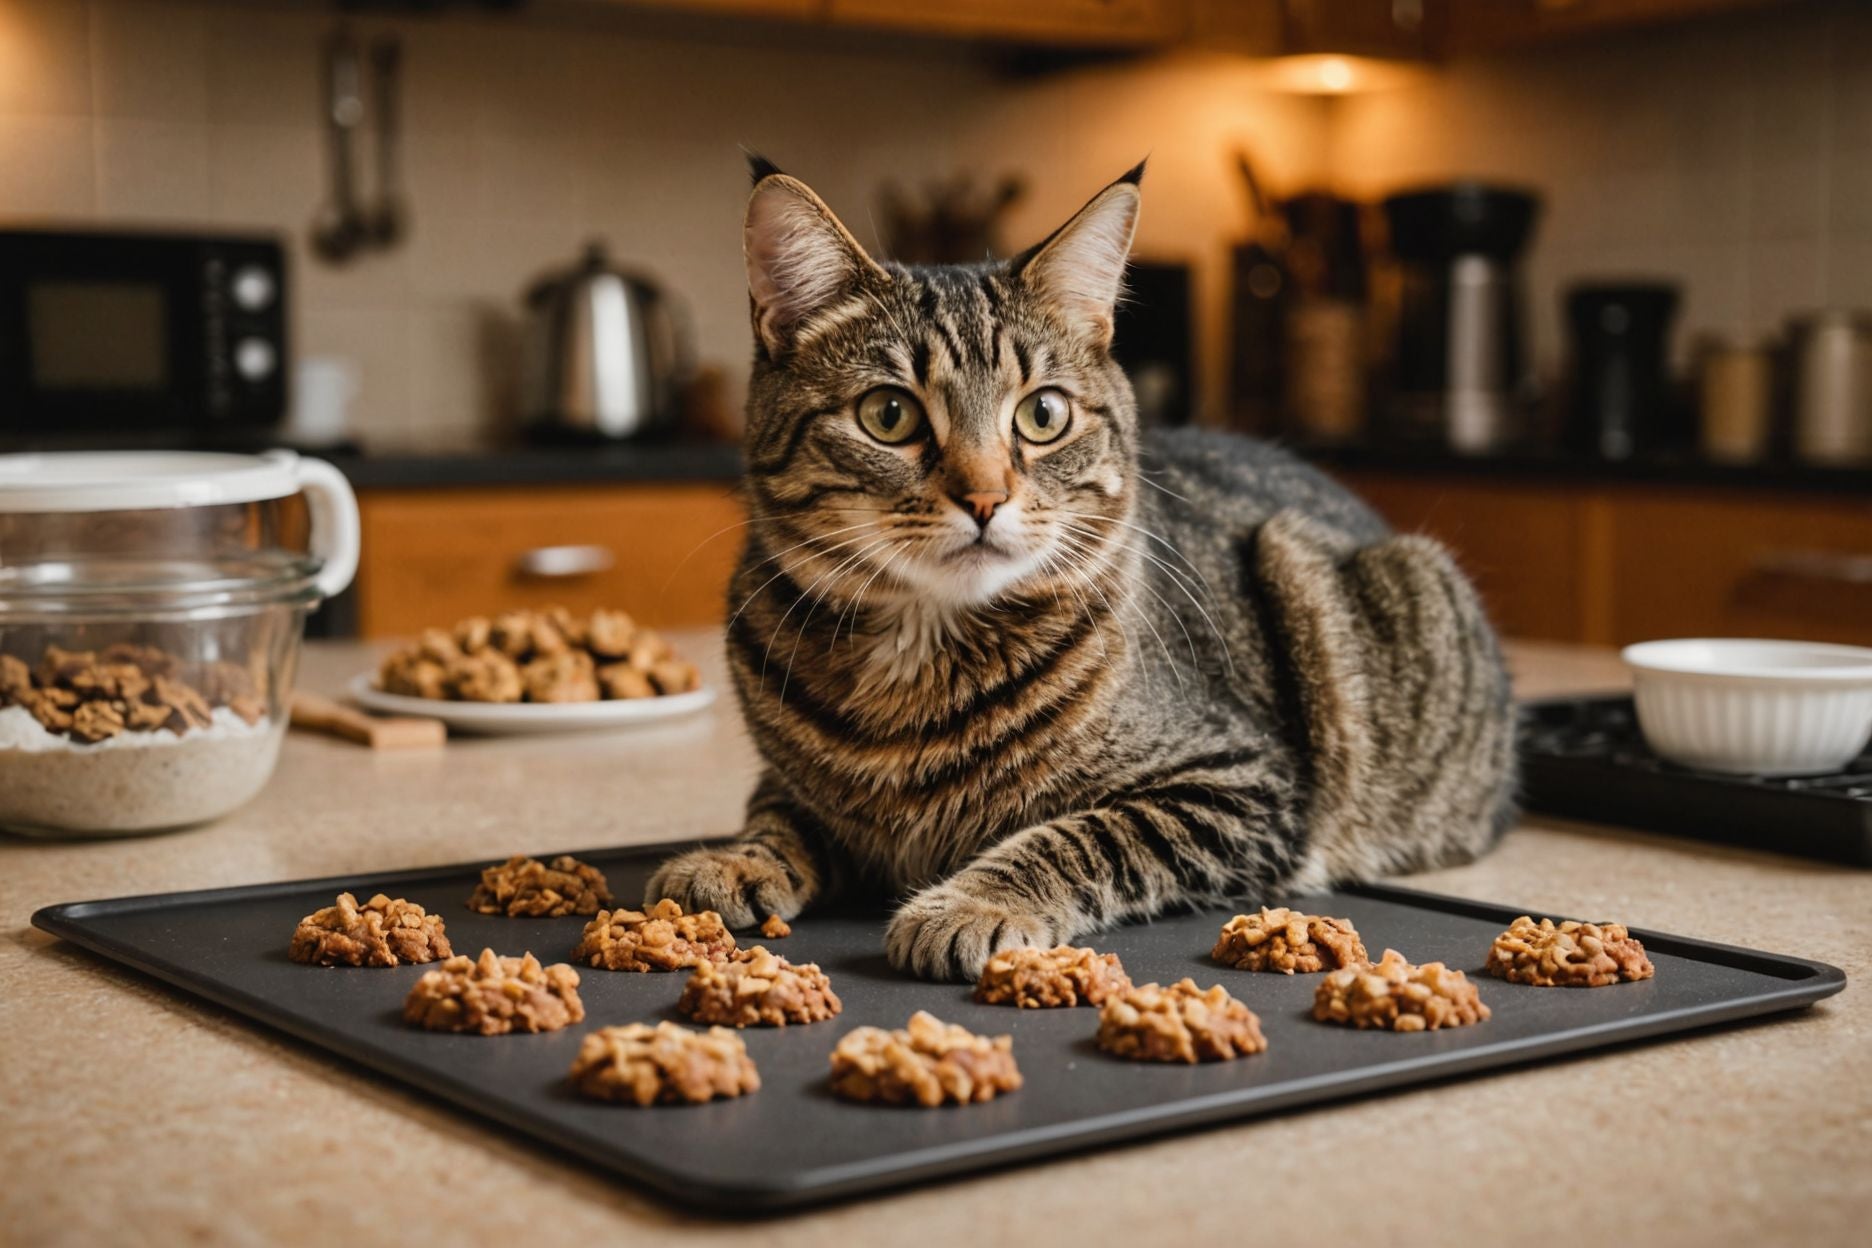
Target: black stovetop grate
(1585, 758)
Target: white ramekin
(1766, 708)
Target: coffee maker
(1460, 371)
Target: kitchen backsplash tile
(153, 172)
(149, 61)
(45, 58)
(49, 167)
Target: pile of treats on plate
(539, 656)
(928, 1062)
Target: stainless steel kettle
(607, 352)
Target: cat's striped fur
(1184, 666)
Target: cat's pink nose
(981, 504)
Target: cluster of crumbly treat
(525, 887)
(381, 932)
(662, 938)
(1568, 954)
(1395, 995)
(493, 996)
(1287, 941)
(539, 656)
(757, 988)
(1180, 1023)
(92, 695)
(927, 1063)
(1049, 978)
(663, 1065)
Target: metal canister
(1736, 385)
(1832, 354)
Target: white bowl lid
(140, 480)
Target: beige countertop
(131, 1114)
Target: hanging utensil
(389, 215)
(339, 229)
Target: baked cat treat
(1287, 941)
(662, 938)
(928, 1063)
(492, 996)
(1146, 664)
(525, 887)
(663, 1065)
(757, 988)
(1567, 954)
(1394, 995)
(775, 928)
(539, 656)
(381, 932)
(1181, 1023)
(1048, 978)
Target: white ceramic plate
(532, 718)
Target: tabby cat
(1035, 671)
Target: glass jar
(151, 610)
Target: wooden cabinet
(1044, 21)
(432, 556)
(1614, 564)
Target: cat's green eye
(890, 415)
(1043, 415)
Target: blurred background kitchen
(1583, 287)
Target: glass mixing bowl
(151, 610)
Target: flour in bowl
(134, 781)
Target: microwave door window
(97, 336)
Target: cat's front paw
(742, 883)
(946, 932)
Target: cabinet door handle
(557, 563)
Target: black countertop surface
(479, 463)
(405, 468)
(1560, 468)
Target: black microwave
(156, 335)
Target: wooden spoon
(318, 714)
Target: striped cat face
(945, 435)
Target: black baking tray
(793, 1143)
(1585, 758)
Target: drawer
(432, 556)
(1741, 565)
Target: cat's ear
(801, 260)
(1079, 269)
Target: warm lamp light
(1333, 73)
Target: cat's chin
(973, 575)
